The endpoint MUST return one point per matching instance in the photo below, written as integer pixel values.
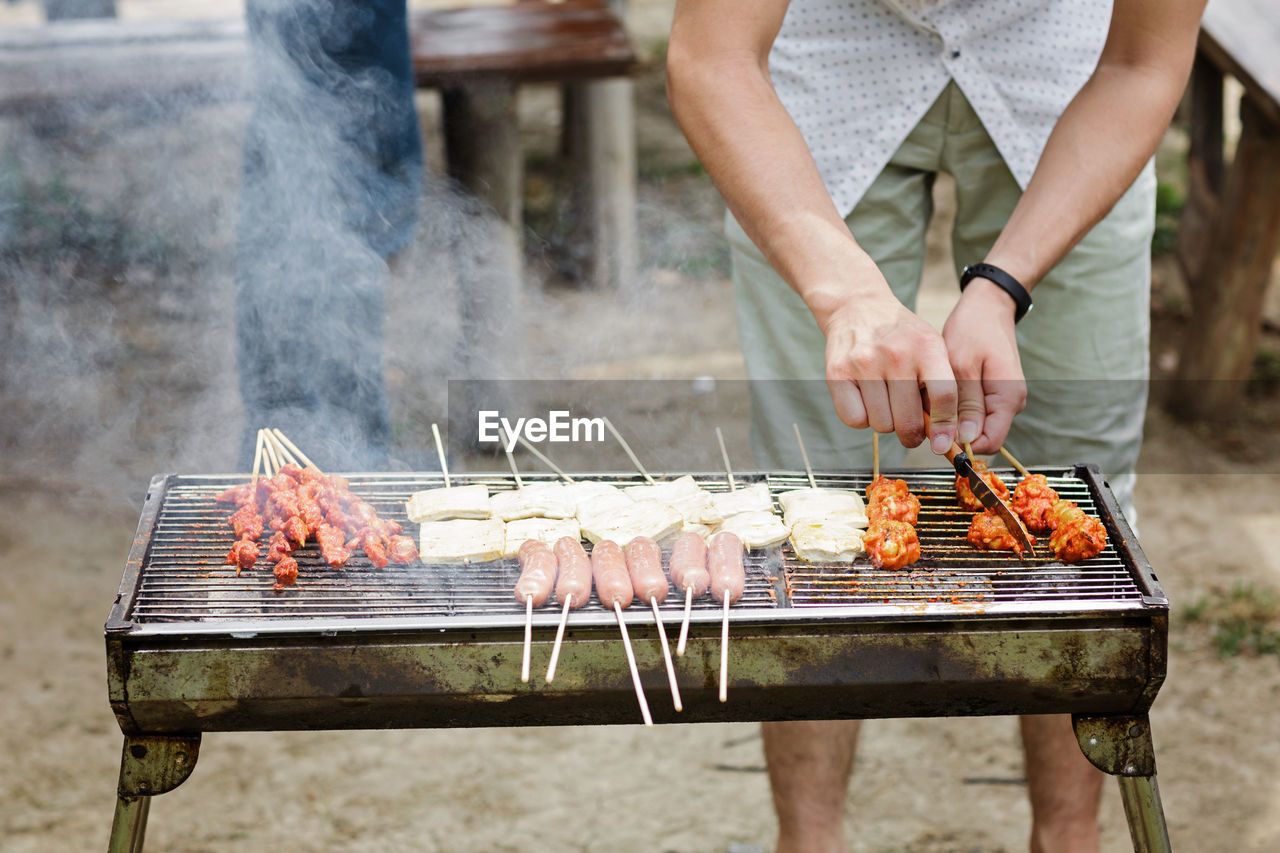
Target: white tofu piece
(547, 530)
(753, 498)
(624, 522)
(685, 496)
(462, 540)
(827, 542)
(822, 505)
(591, 497)
(702, 530)
(757, 529)
(443, 503)
(536, 500)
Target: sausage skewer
(613, 587)
(689, 572)
(573, 588)
(537, 576)
(644, 564)
(728, 580)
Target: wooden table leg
(482, 144)
(1230, 280)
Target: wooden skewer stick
(627, 449)
(724, 652)
(528, 638)
(631, 661)
(296, 452)
(555, 648)
(257, 463)
(1014, 462)
(808, 469)
(281, 451)
(444, 467)
(666, 655)
(274, 467)
(511, 460)
(875, 456)
(728, 469)
(684, 626)
(541, 457)
(968, 450)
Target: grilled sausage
(537, 572)
(724, 564)
(609, 569)
(575, 572)
(644, 564)
(689, 564)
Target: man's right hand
(879, 357)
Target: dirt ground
(115, 369)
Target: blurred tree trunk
(61, 10)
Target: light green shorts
(1084, 348)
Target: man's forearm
(1102, 140)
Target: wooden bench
(1229, 232)
(479, 56)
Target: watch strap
(1000, 279)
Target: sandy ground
(108, 383)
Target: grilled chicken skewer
(891, 539)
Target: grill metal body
(191, 647)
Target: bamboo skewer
(808, 469)
(875, 456)
(511, 460)
(684, 625)
(968, 450)
(281, 451)
(257, 463)
(444, 467)
(528, 638)
(631, 661)
(555, 648)
(1014, 462)
(627, 449)
(541, 457)
(728, 469)
(666, 655)
(724, 652)
(302, 457)
(270, 449)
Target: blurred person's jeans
(331, 183)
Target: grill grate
(184, 578)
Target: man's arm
(878, 353)
(1101, 142)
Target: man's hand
(983, 349)
(879, 356)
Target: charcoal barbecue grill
(191, 647)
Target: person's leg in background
(1084, 355)
(331, 184)
(810, 762)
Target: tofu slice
(753, 498)
(536, 500)
(822, 505)
(462, 540)
(624, 522)
(591, 497)
(827, 542)
(684, 494)
(455, 502)
(546, 530)
(757, 529)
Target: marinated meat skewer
(987, 532)
(644, 564)
(613, 588)
(968, 500)
(891, 539)
(1074, 535)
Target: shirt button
(955, 54)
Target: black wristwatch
(1000, 279)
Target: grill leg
(148, 766)
(1122, 746)
(129, 828)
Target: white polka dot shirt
(857, 75)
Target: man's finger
(908, 411)
(848, 403)
(1005, 398)
(971, 409)
(942, 413)
(876, 398)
